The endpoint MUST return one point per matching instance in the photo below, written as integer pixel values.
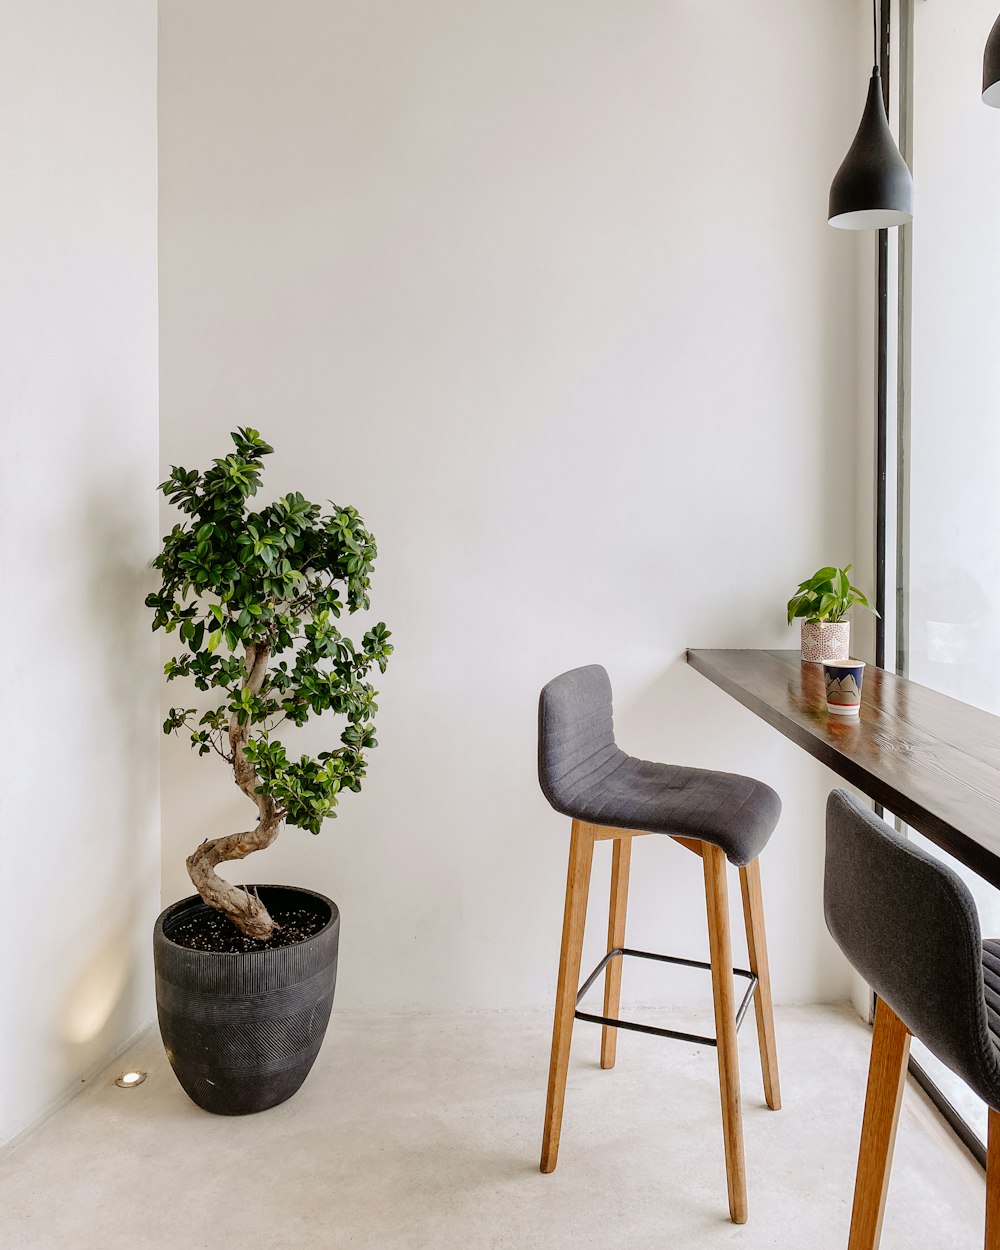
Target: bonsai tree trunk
(244, 909)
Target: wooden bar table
(930, 759)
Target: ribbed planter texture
(241, 1031)
(822, 641)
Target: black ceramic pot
(242, 1031)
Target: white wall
(547, 290)
(79, 819)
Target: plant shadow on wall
(104, 995)
(245, 976)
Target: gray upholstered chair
(909, 925)
(607, 794)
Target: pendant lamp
(873, 188)
(991, 68)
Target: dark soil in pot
(243, 1027)
(203, 929)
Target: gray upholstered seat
(909, 925)
(584, 774)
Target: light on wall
(991, 68)
(873, 188)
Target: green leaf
(826, 596)
(843, 585)
(279, 575)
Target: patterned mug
(843, 686)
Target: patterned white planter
(822, 641)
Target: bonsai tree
(826, 597)
(255, 598)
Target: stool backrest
(576, 734)
(909, 925)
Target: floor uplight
(128, 1080)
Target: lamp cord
(875, 27)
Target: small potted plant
(245, 976)
(822, 603)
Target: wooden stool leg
(886, 1077)
(993, 1183)
(581, 857)
(720, 945)
(621, 857)
(753, 915)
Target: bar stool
(910, 927)
(719, 816)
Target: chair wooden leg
(753, 915)
(993, 1183)
(720, 945)
(886, 1078)
(581, 856)
(620, 859)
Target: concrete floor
(424, 1132)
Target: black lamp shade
(991, 68)
(873, 188)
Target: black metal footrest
(621, 951)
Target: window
(947, 618)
